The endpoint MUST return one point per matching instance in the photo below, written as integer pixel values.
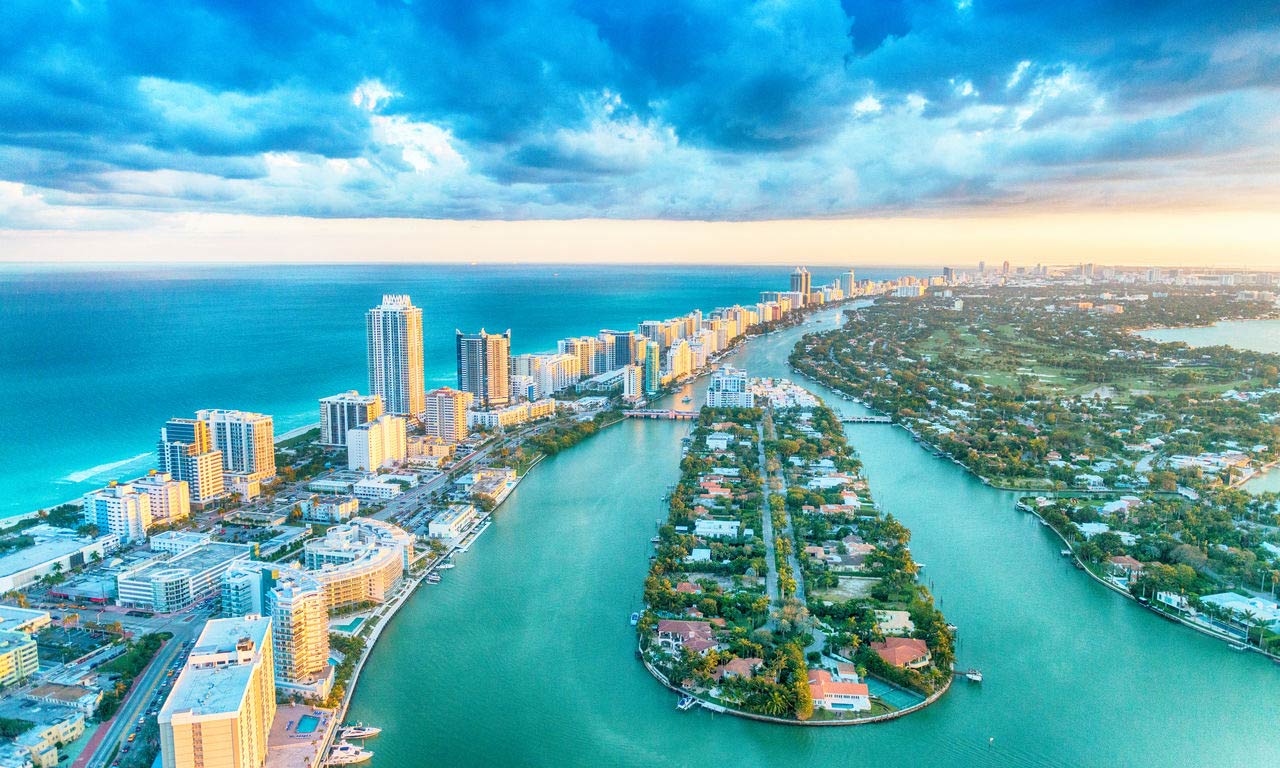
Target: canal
(523, 655)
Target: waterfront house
(909, 652)
(688, 588)
(837, 696)
(895, 622)
(719, 441)
(674, 634)
(1126, 567)
(716, 529)
(847, 673)
(744, 668)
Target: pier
(656, 414)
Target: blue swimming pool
(351, 626)
(307, 724)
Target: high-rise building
(170, 497)
(219, 713)
(377, 444)
(295, 602)
(679, 361)
(19, 657)
(618, 348)
(118, 509)
(851, 284)
(186, 452)
(801, 282)
(633, 382)
(338, 413)
(484, 365)
(445, 414)
(652, 367)
(246, 440)
(948, 275)
(393, 333)
(729, 388)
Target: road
(144, 689)
(766, 519)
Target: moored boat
(635, 618)
(686, 703)
(359, 731)
(974, 676)
(345, 753)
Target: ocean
(93, 360)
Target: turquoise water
(92, 361)
(524, 657)
(1258, 335)
(307, 724)
(351, 626)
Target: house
(716, 529)
(719, 441)
(743, 668)
(688, 588)
(699, 555)
(1126, 566)
(816, 552)
(674, 634)
(846, 673)
(895, 622)
(837, 696)
(909, 652)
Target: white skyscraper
(246, 440)
(376, 444)
(730, 389)
(394, 339)
(118, 509)
(338, 413)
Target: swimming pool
(351, 626)
(307, 724)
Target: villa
(837, 696)
(908, 652)
(744, 668)
(674, 634)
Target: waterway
(523, 656)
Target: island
(778, 590)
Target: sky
(865, 131)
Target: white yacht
(345, 753)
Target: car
(132, 736)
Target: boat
(635, 618)
(1239, 647)
(345, 753)
(974, 676)
(686, 399)
(433, 578)
(445, 566)
(1066, 553)
(359, 731)
(686, 703)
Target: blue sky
(111, 112)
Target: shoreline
(721, 709)
(77, 501)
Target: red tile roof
(901, 651)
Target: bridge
(866, 419)
(671, 415)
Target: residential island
(778, 590)
(1134, 451)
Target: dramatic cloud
(709, 109)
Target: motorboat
(635, 618)
(346, 753)
(359, 731)
(686, 703)
(974, 676)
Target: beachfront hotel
(186, 452)
(219, 713)
(377, 444)
(393, 332)
(118, 509)
(445, 415)
(339, 413)
(170, 497)
(247, 441)
(484, 366)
